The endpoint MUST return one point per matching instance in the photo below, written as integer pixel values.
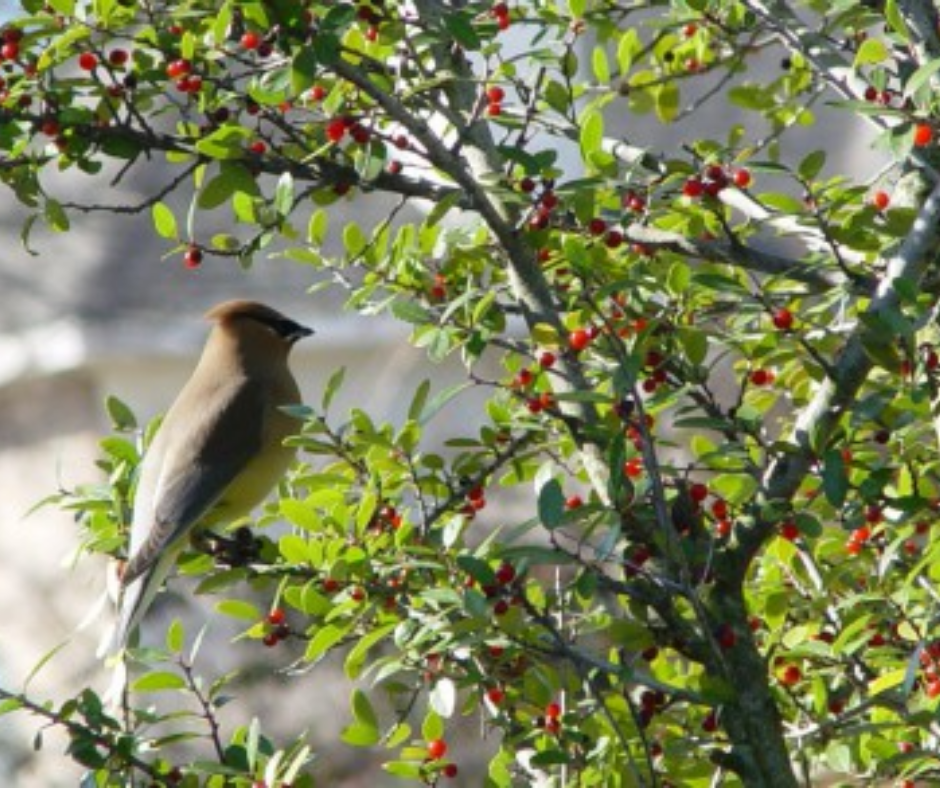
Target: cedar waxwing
(218, 452)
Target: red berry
(923, 135)
(358, 593)
(10, 50)
(597, 226)
(87, 61)
(317, 93)
(527, 185)
(495, 94)
(783, 319)
(277, 616)
(790, 675)
(547, 360)
(761, 377)
(437, 748)
(698, 492)
(118, 57)
(336, 130)
(742, 178)
(401, 142)
(505, 574)
(177, 68)
(579, 339)
(790, 531)
(871, 93)
(633, 468)
(495, 109)
(726, 636)
(881, 200)
(271, 639)
(330, 585)
(720, 509)
(250, 40)
(193, 257)
(450, 770)
(613, 239)
(495, 695)
(258, 147)
(574, 502)
(553, 710)
(693, 187)
(501, 607)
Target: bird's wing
(198, 466)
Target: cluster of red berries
(494, 97)
(714, 179)
(278, 629)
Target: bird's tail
(134, 600)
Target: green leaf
(333, 385)
(164, 222)
(362, 710)
(236, 608)
(284, 194)
(122, 417)
(417, 401)
(812, 164)
(442, 207)
(551, 504)
(410, 312)
(460, 27)
(872, 51)
(55, 216)
(357, 656)
(600, 65)
(432, 727)
(354, 240)
(303, 69)
(667, 102)
(175, 637)
(592, 133)
(895, 19)
(228, 142)
(921, 77)
(439, 400)
(159, 681)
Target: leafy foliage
(730, 445)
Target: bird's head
(251, 318)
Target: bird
(218, 452)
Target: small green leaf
(872, 51)
(175, 637)
(812, 165)
(432, 727)
(122, 417)
(667, 102)
(164, 222)
(592, 133)
(158, 682)
(333, 385)
(284, 194)
(236, 608)
(551, 504)
(460, 26)
(410, 312)
(835, 480)
(921, 77)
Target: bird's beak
(299, 332)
